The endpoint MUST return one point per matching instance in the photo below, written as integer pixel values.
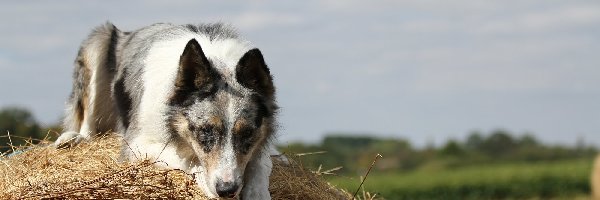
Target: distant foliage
(565, 179)
(21, 126)
(355, 153)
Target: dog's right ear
(195, 75)
(252, 72)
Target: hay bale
(91, 170)
(596, 179)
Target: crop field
(541, 180)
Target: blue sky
(422, 70)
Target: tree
(20, 123)
(452, 148)
(527, 140)
(474, 141)
(499, 143)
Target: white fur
(258, 170)
(68, 138)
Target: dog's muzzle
(226, 189)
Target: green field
(541, 180)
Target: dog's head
(224, 116)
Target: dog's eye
(244, 140)
(207, 138)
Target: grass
(542, 180)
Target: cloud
(540, 64)
(35, 43)
(4, 62)
(260, 19)
(553, 19)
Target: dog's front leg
(256, 183)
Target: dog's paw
(68, 139)
(276, 155)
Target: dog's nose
(226, 189)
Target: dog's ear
(195, 75)
(252, 72)
(195, 72)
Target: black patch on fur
(262, 112)
(123, 101)
(252, 72)
(192, 28)
(79, 110)
(244, 139)
(196, 79)
(208, 136)
(111, 60)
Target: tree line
(355, 153)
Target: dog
(193, 97)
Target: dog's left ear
(252, 72)
(195, 74)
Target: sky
(422, 70)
